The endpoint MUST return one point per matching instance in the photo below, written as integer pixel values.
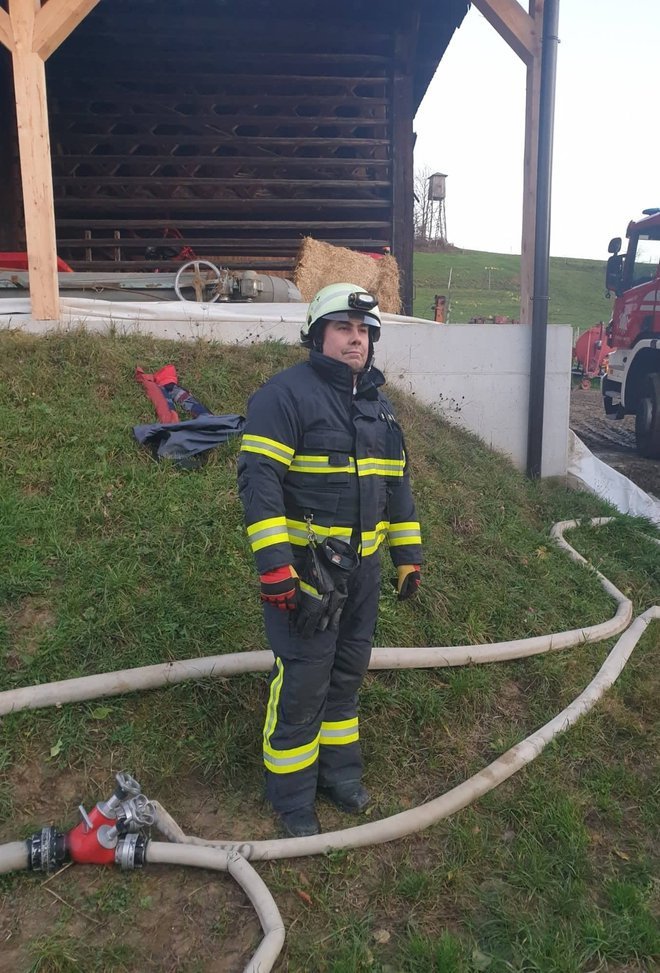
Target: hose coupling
(131, 851)
(47, 850)
(135, 814)
(127, 788)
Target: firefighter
(323, 478)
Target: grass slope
(577, 287)
(111, 560)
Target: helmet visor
(369, 319)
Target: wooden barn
(233, 129)
(132, 129)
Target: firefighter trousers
(311, 732)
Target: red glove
(279, 587)
(408, 580)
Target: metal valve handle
(128, 785)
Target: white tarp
(99, 314)
(599, 478)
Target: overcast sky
(606, 166)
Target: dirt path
(613, 441)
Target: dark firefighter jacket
(312, 448)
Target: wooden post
(32, 33)
(530, 168)
(36, 172)
(523, 32)
(402, 167)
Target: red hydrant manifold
(109, 834)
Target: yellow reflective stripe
(384, 467)
(372, 539)
(276, 767)
(385, 460)
(372, 548)
(338, 724)
(339, 733)
(328, 740)
(289, 761)
(298, 532)
(273, 699)
(260, 525)
(319, 464)
(294, 752)
(402, 541)
(264, 533)
(404, 533)
(312, 592)
(284, 761)
(267, 447)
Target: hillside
(111, 560)
(485, 284)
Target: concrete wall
(477, 376)
(474, 375)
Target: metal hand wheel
(203, 282)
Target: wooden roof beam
(512, 22)
(6, 31)
(55, 21)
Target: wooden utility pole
(31, 33)
(523, 32)
(402, 159)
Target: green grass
(111, 560)
(577, 287)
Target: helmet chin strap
(370, 355)
(317, 341)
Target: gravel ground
(612, 440)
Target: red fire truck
(632, 383)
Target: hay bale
(319, 264)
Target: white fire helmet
(339, 302)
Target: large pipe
(13, 857)
(410, 822)
(540, 297)
(254, 887)
(152, 677)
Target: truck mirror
(614, 245)
(614, 274)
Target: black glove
(311, 611)
(336, 602)
(323, 586)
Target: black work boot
(299, 823)
(349, 796)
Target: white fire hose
(233, 856)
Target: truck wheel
(647, 418)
